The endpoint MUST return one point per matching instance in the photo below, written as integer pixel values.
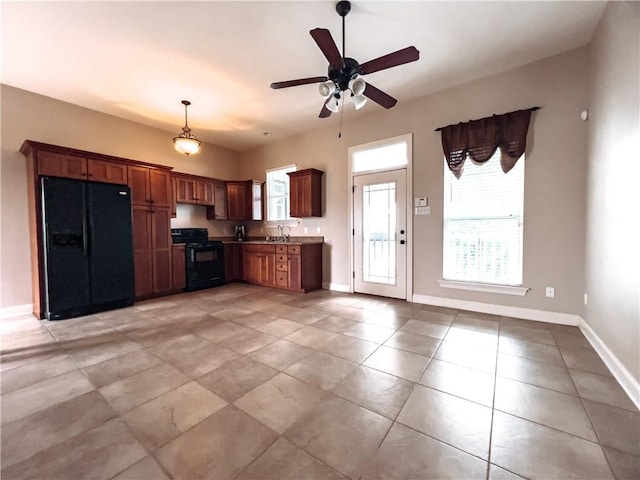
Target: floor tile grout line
(586, 411)
(414, 383)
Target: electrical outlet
(585, 298)
(306, 230)
(550, 292)
(317, 229)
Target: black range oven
(204, 258)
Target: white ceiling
(138, 60)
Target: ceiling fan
(345, 73)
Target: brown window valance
(479, 140)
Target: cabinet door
(251, 267)
(267, 268)
(206, 193)
(161, 249)
(142, 266)
(160, 188)
(108, 172)
(179, 267)
(138, 180)
(233, 262)
(295, 201)
(220, 201)
(237, 201)
(295, 274)
(59, 165)
(187, 190)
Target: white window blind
(483, 215)
(278, 193)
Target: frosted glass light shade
(327, 89)
(359, 101)
(357, 86)
(186, 146)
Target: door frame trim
(408, 139)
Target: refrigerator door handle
(85, 237)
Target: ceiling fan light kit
(186, 142)
(345, 73)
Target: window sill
(485, 287)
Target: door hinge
(354, 274)
(353, 232)
(353, 189)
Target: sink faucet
(281, 232)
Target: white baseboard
(628, 383)
(504, 310)
(336, 287)
(16, 310)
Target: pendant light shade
(186, 143)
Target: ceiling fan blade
(300, 81)
(323, 38)
(406, 55)
(378, 96)
(325, 112)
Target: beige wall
(29, 116)
(613, 229)
(554, 177)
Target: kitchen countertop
(263, 241)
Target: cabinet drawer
(281, 258)
(282, 267)
(260, 248)
(294, 249)
(281, 249)
(282, 279)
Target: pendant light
(186, 142)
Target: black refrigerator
(88, 247)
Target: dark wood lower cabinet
(259, 264)
(292, 267)
(233, 262)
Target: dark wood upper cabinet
(194, 190)
(244, 200)
(186, 189)
(107, 172)
(305, 193)
(53, 164)
(160, 188)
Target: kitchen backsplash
(195, 216)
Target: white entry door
(380, 233)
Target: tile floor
(246, 382)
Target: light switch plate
(423, 210)
(420, 201)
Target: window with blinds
(278, 193)
(483, 214)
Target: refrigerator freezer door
(65, 245)
(111, 244)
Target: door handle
(401, 242)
